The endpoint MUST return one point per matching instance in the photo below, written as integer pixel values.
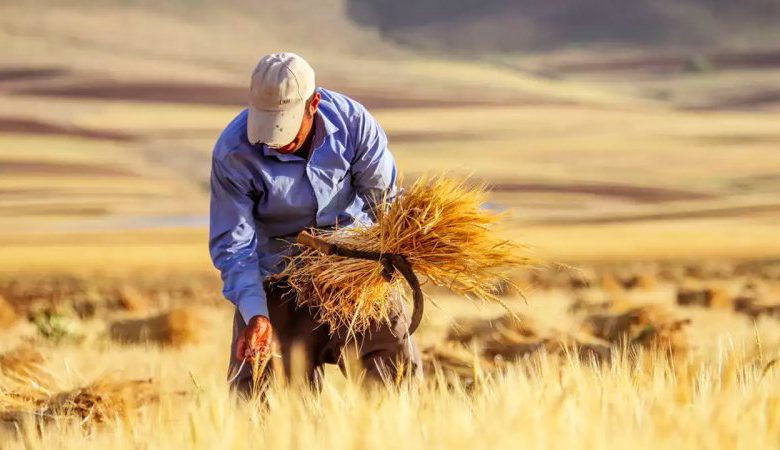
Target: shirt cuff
(253, 306)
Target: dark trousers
(383, 353)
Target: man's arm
(373, 169)
(233, 243)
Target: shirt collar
(267, 151)
(328, 127)
(323, 127)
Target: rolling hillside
(494, 26)
(109, 110)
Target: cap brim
(274, 128)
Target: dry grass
(536, 383)
(544, 402)
(442, 228)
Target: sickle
(390, 262)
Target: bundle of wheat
(101, 400)
(23, 360)
(646, 326)
(131, 299)
(8, 316)
(511, 326)
(442, 229)
(105, 399)
(511, 337)
(455, 361)
(176, 327)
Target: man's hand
(255, 340)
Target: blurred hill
(510, 25)
(128, 36)
(109, 110)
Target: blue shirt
(261, 198)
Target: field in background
(103, 134)
(654, 175)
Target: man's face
(306, 125)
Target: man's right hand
(255, 340)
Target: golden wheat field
(606, 356)
(644, 181)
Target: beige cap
(281, 84)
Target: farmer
(298, 157)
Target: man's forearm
(244, 288)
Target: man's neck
(305, 150)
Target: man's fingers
(241, 348)
(253, 354)
(259, 341)
(255, 340)
(249, 353)
(248, 350)
(260, 337)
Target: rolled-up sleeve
(373, 169)
(233, 242)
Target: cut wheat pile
(29, 390)
(105, 399)
(442, 229)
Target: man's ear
(315, 102)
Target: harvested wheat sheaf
(28, 390)
(25, 363)
(439, 225)
(8, 316)
(177, 327)
(489, 343)
(130, 299)
(106, 399)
